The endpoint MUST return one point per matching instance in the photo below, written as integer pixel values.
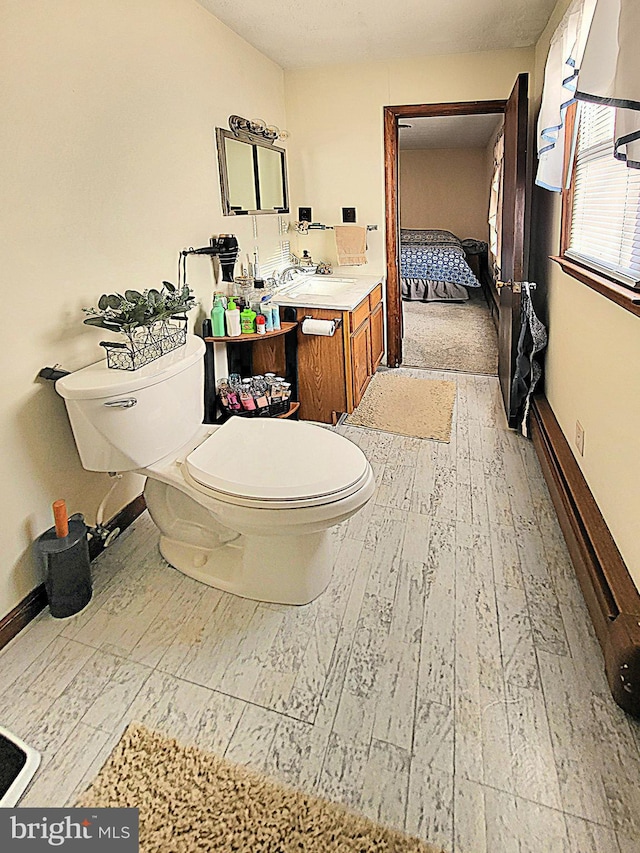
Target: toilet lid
(271, 459)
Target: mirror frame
(221, 136)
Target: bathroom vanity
(333, 372)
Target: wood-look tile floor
(448, 682)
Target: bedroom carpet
(400, 404)
(450, 336)
(191, 800)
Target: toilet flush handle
(128, 403)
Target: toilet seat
(276, 464)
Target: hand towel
(351, 243)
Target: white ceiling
(448, 131)
(299, 34)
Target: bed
(433, 266)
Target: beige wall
(335, 118)
(591, 369)
(109, 169)
(445, 188)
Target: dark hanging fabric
(532, 340)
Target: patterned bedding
(437, 263)
(434, 255)
(433, 266)
(428, 237)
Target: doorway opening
(512, 254)
(441, 256)
(449, 198)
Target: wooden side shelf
(240, 339)
(275, 351)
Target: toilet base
(275, 569)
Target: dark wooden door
(513, 263)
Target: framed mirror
(253, 175)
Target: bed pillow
(428, 237)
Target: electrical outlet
(580, 438)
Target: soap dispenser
(232, 315)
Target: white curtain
(610, 71)
(495, 205)
(563, 64)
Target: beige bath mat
(190, 801)
(400, 404)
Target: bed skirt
(425, 290)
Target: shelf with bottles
(253, 337)
(250, 312)
(249, 355)
(256, 396)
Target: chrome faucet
(287, 273)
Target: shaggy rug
(401, 404)
(450, 336)
(190, 801)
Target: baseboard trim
(36, 601)
(609, 591)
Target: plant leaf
(132, 296)
(103, 302)
(170, 287)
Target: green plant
(120, 313)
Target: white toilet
(245, 507)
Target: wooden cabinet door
(360, 360)
(377, 336)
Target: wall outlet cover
(304, 214)
(348, 214)
(580, 438)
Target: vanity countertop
(332, 292)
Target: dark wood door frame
(391, 116)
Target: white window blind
(276, 260)
(605, 222)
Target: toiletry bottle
(223, 393)
(275, 315)
(261, 325)
(233, 394)
(268, 378)
(232, 315)
(248, 321)
(267, 313)
(217, 318)
(246, 396)
(260, 389)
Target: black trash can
(67, 568)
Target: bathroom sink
(320, 286)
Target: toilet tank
(124, 420)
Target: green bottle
(217, 318)
(248, 321)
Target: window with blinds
(276, 260)
(605, 213)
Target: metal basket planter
(146, 343)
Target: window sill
(622, 296)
